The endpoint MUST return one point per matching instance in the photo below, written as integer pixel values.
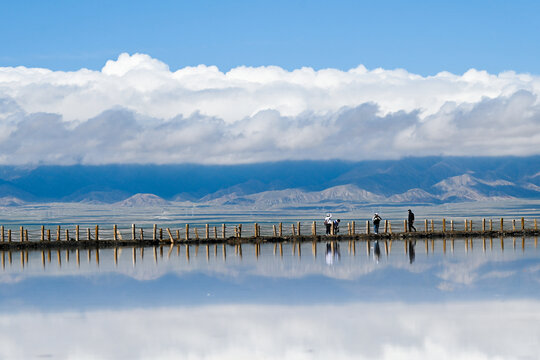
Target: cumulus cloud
(136, 110)
(382, 330)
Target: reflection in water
(218, 306)
(412, 254)
(376, 251)
(333, 254)
(331, 250)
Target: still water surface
(439, 299)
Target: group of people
(332, 226)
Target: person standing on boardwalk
(376, 221)
(411, 221)
(328, 223)
(336, 226)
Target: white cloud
(382, 330)
(136, 110)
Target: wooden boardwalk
(61, 237)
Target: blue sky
(421, 37)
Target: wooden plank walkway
(99, 237)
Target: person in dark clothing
(376, 221)
(411, 221)
(336, 226)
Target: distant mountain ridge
(417, 180)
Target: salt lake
(452, 298)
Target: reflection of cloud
(498, 274)
(200, 114)
(352, 331)
(445, 286)
(11, 278)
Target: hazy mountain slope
(410, 178)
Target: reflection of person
(411, 251)
(332, 253)
(328, 223)
(377, 251)
(376, 221)
(411, 221)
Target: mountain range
(408, 180)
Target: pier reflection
(375, 250)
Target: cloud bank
(385, 330)
(136, 110)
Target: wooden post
(160, 234)
(425, 225)
(255, 229)
(299, 234)
(405, 225)
(115, 232)
(170, 235)
(502, 222)
(9, 236)
(483, 224)
(466, 225)
(76, 232)
(535, 225)
(470, 225)
(522, 223)
(178, 237)
(42, 233)
(240, 230)
(292, 230)
(490, 224)
(367, 226)
(142, 234)
(26, 239)
(196, 237)
(48, 234)
(223, 231)
(432, 227)
(452, 225)
(280, 229)
(385, 226)
(58, 233)
(88, 234)
(314, 229)
(513, 224)
(187, 232)
(443, 225)
(275, 230)
(389, 226)
(154, 233)
(348, 228)
(67, 235)
(353, 228)
(97, 232)
(133, 232)
(215, 232)
(207, 232)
